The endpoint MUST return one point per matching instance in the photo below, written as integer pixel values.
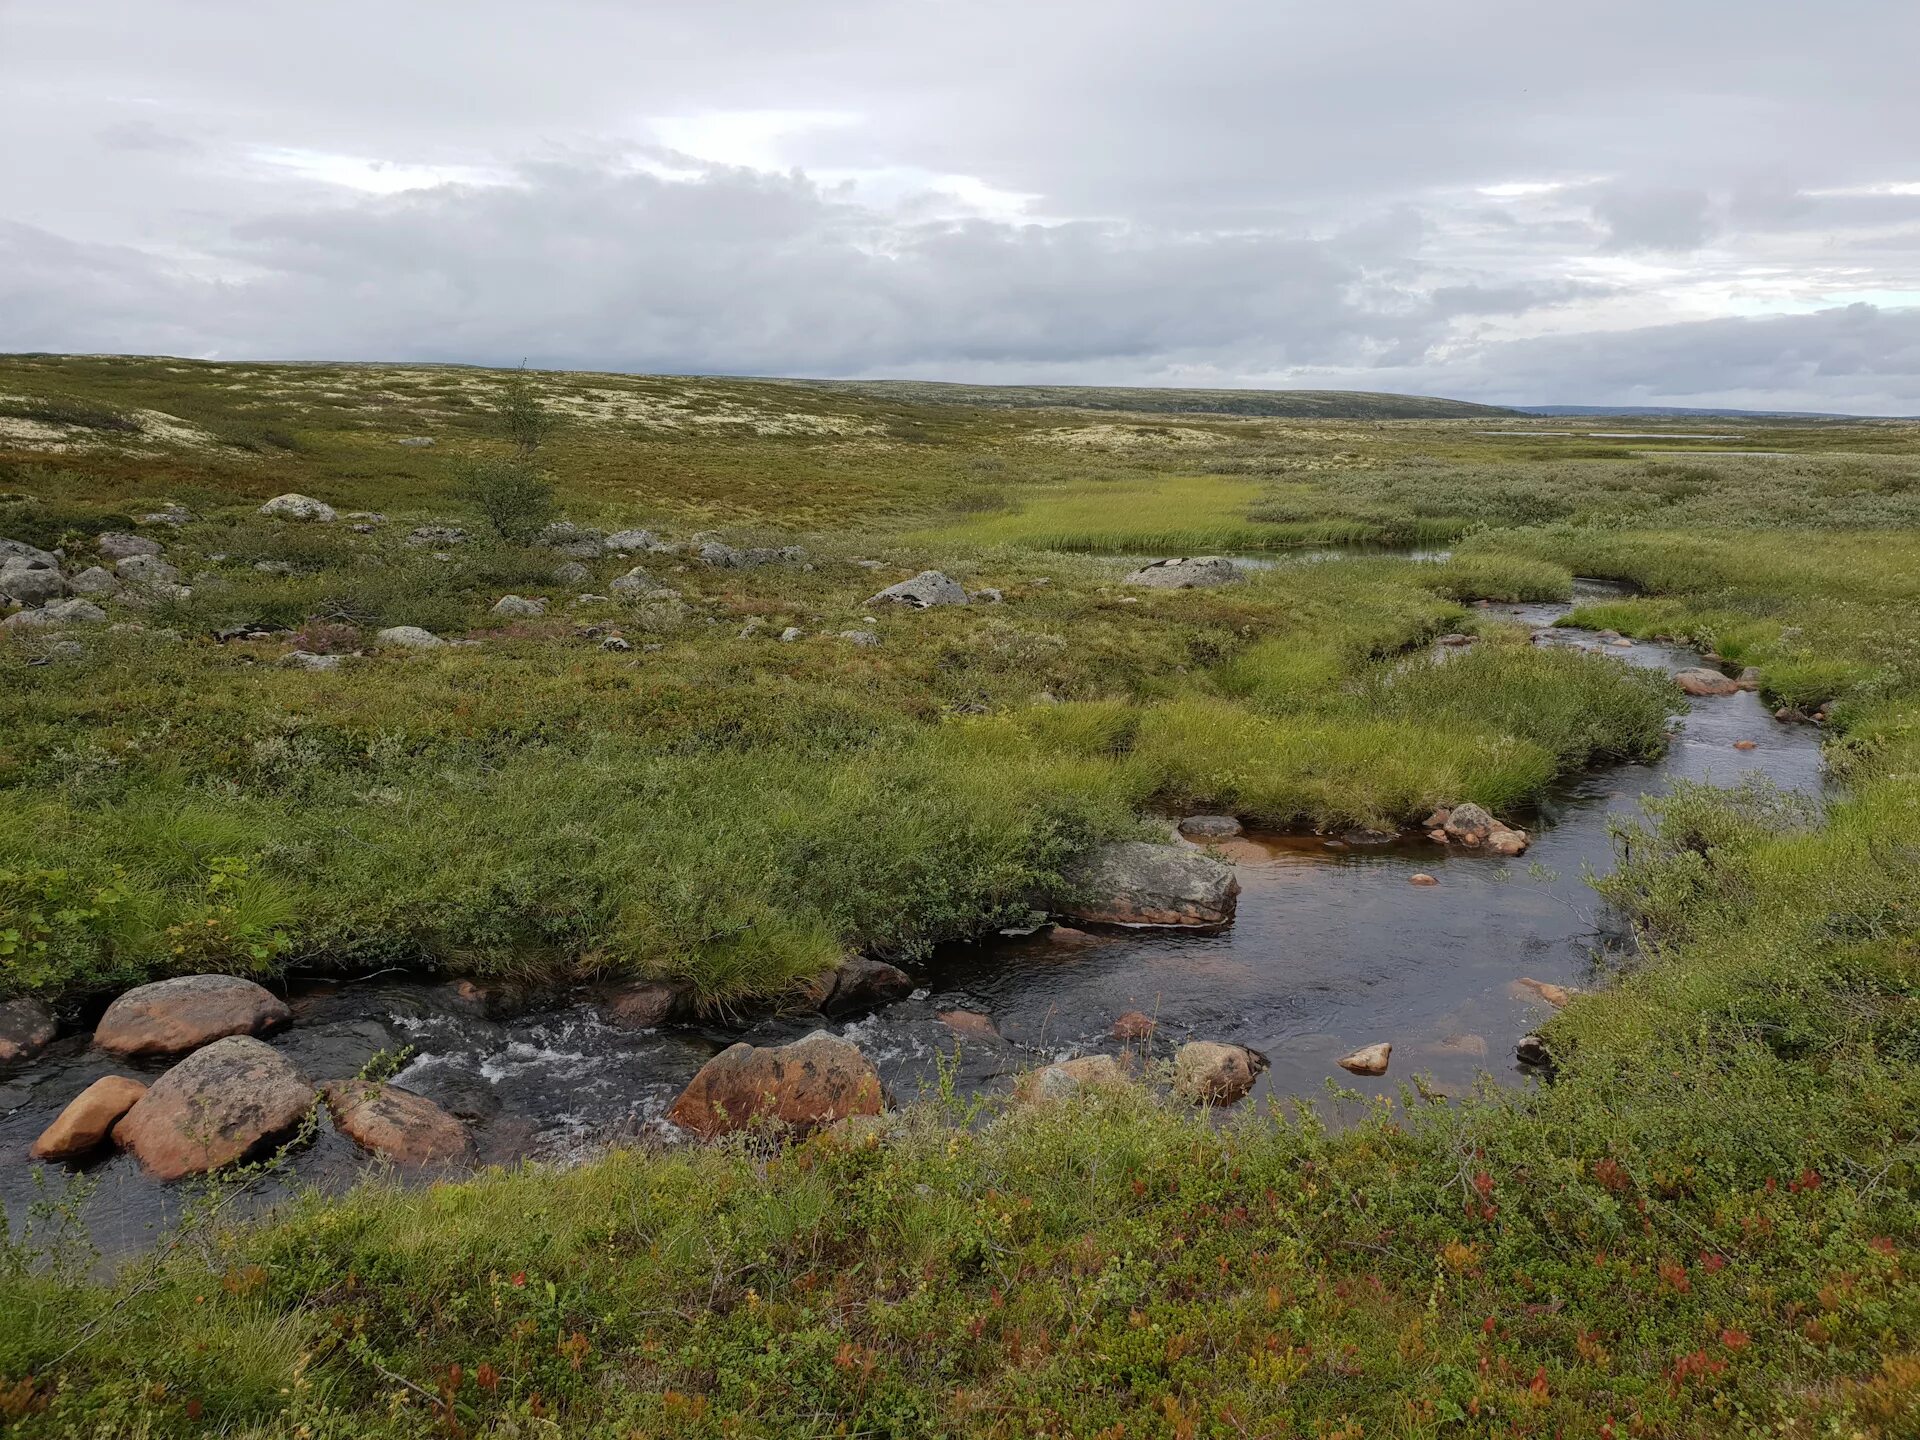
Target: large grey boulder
(628, 542)
(227, 1102)
(518, 607)
(30, 584)
(299, 507)
(117, 545)
(922, 592)
(1186, 573)
(20, 550)
(408, 637)
(635, 582)
(71, 611)
(1140, 884)
(93, 581)
(146, 569)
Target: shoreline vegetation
(707, 757)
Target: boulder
(1420, 877)
(1749, 678)
(1746, 744)
(628, 542)
(25, 1030)
(719, 555)
(170, 1016)
(1505, 840)
(1186, 573)
(408, 637)
(800, 1087)
(73, 611)
(298, 507)
(396, 1124)
(1468, 824)
(1700, 681)
(115, 545)
(1210, 827)
(438, 536)
(152, 570)
(227, 1102)
(1209, 1073)
(93, 581)
(516, 607)
(862, 638)
(791, 634)
(1135, 1025)
(922, 592)
(646, 1005)
(1137, 883)
(634, 583)
(1071, 1077)
(858, 984)
(11, 550)
(971, 1025)
(1368, 1059)
(31, 584)
(88, 1120)
(571, 573)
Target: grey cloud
(1654, 218)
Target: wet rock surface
(170, 1017)
(798, 1087)
(26, 1028)
(85, 1125)
(1139, 883)
(396, 1124)
(226, 1102)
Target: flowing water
(1332, 948)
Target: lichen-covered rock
(628, 542)
(922, 592)
(299, 507)
(224, 1103)
(408, 637)
(800, 1087)
(396, 1124)
(517, 607)
(150, 570)
(11, 550)
(31, 584)
(571, 572)
(89, 1118)
(1186, 573)
(25, 1030)
(1137, 883)
(1209, 1073)
(1469, 824)
(116, 545)
(94, 580)
(1071, 1077)
(170, 1016)
(636, 582)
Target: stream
(1332, 949)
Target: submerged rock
(25, 1030)
(298, 507)
(170, 1016)
(1138, 883)
(1421, 877)
(1700, 681)
(1210, 827)
(1186, 573)
(1368, 1059)
(1135, 1025)
(922, 592)
(89, 1118)
(1209, 1073)
(227, 1102)
(799, 1087)
(1071, 1077)
(396, 1124)
(971, 1025)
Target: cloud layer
(1650, 204)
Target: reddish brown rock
(1745, 744)
(1140, 884)
(1469, 824)
(1421, 878)
(396, 1124)
(646, 1006)
(1209, 1073)
(1698, 681)
(1135, 1025)
(971, 1025)
(228, 1101)
(169, 1017)
(1554, 995)
(25, 1030)
(89, 1118)
(1368, 1059)
(1504, 840)
(857, 984)
(802, 1087)
(1066, 935)
(1071, 1077)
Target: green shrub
(514, 498)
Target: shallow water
(1332, 948)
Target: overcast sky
(1690, 202)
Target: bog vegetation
(1706, 1225)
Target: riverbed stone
(1186, 573)
(1555, 995)
(299, 507)
(647, 1004)
(396, 1124)
(1135, 1025)
(227, 1102)
(1210, 1073)
(1468, 824)
(83, 1127)
(1071, 1077)
(1138, 883)
(26, 1028)
(1505, 840)
(799, 1087)
(1420, 877)
(1701, 681)
(922, 592)
(856, 984)
(186, 1012)
(1368, 1059)
(1209, 827)
(971, 1025)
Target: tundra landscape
(540, 902)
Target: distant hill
(1685, 412)
(1283, 404)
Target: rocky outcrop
(1701, 681)
(1137, 883)
(1209, 1073)
(1192, 573)
(799, 1087)
(25, 1030)
(858, 984)
(1368, 1059)
(396, 1124)
(225, 1103)
(83, 1127)
(1071, 1077)
(171, 1016)
(299, 507)
(922, 592)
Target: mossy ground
(1706, 1226)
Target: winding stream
(1333, 948)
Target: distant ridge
(1281, 404)
(1694, 412)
